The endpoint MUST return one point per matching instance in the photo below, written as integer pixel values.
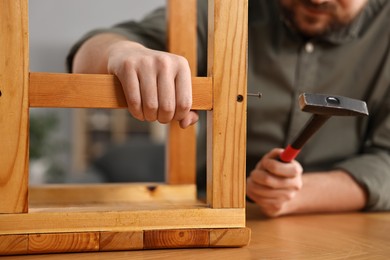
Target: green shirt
(353, 62)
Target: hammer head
(330, 105)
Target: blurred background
(78, 145)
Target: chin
(312, 28)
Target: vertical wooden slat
(181, 144)
(227, 122)
(14, 66)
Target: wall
(56, 24)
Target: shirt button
(309, 47)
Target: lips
(326, 7)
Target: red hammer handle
(292, 150)
(289, 154)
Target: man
(339, 47)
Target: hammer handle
(292, 151)
(289, 154)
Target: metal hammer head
(330, 105)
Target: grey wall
(55, 25)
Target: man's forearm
(92, 56)
(328, 192)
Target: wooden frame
(60, 218)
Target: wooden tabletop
(320, 236)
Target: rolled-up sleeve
(371, 169)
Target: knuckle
(163, 61)
(167, 106)
(151, 106)
(269, 165)
(136, 114)
(289, 196)
(182, 61)
(133, 102)
(145, 63)
(184, 105)
(129, 64)
(298, 186)
(268, 180)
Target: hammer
(323, 107)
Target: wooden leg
(14, 114)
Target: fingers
(191, 118)
(275, 182)
(272, 201)
(183, 89)
(271, 163)
(133, 94)
(273, 185)
(166, 97)
(157, 85)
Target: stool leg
(14, 106)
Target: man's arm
(282, 188)
(92, 56)
(157, 85)
(334, 191)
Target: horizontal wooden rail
(84, 194)
(119, 218)
(61, 90)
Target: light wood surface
(182, 40)
(91, 222)
(324, 237)
(115, 208)
(63, 194)
(13, 106)
(226, 123)
(103, 91)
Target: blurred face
(318, 17)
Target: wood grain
(226, 125)
(182, 33)
(13, 106)
(315, 236)
(13, 244)
(181, 143)
(115, 219)
(155, 239)
(181, 155)
(63, 194)
(230, 237)
(112, 241)
(63, 242)
(64, 90)
(86, 219)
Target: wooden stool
(107, 217)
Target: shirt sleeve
(371, 169)
(150, 31)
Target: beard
(315, 20)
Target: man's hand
(274, 184)
(157, 85)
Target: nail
(258, 95)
